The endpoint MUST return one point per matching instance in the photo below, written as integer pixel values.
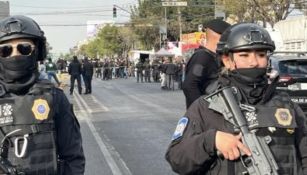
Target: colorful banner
(192, 40)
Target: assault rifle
(261, 162)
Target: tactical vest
(275, 119)
(27, 124)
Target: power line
(68, 7)
(73, 25)
(68, 12)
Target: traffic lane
(95, 161)
(141, 140)
(125, 93)
(139, 123)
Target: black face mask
(17, 68)
(252, 82)
(251, 76)
(18, 73)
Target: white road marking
(107, 155)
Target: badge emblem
(182, 123)
(283, 116)
(40, 109)
(290, 130)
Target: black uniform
(75, 70)
(39, 132)
(170, 73)
(139, 72)
(193, 151)
(147, 71)
(200, 70)
(155, 72)
(88, 71)
(44, 117)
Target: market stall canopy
(163, 52)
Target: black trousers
(139, 75)
(72, 83)
(88, 83)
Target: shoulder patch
(197, 70)
(283, 116)
(182, 123)
(40, 109)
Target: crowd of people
(164, 70)
(167, 71)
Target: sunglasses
(6, 50)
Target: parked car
(292, 69)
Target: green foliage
(144, 32)
(148, 16)
(66, 56)
(259, 10)
(108, 42)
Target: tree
(127, 40)
(237, 7)
(148, 16)
(110, 41)
(270, 11)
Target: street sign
(174, 3)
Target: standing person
(155, 71)
(162, 68)
(139, 70)
(170, 74)
(147, 70)
(202, 66)
(75, 70)
(98, 69)
(105, 70)
(51, 70)
(88, 71)
(36, 114)
(269, 115)
(42, 70)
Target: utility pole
(165, 17)
(179, 21)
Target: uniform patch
(6, 113)
(182, 123)
(283, 116)
(198, 70)
(40, 109)
(290, 130)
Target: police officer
(202, 66)
(39, 132)
(203, 132)
(75, 71)
(139, 70)
(147, 70)
(88, 72)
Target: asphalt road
(127, 126)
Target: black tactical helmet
(19, 26)
(244, 36)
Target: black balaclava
(18, 73)
(252, 82)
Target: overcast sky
(64, 21)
